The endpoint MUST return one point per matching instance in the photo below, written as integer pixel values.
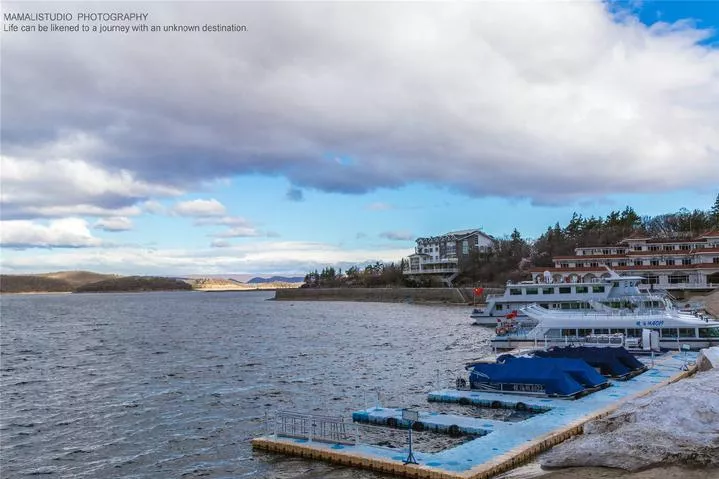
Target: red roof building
(679, 263)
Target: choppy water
(176, 384)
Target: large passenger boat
(612, 291)
(673, 328)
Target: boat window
(582, 289)
(515, 291)
(532, 291)
(601, 331)
(547, 290)
(585, 332)
(597, 289)
(565, 290)
(668, 332)
(615, 284)
(687, 332)
(709, 332)
(634, 333)
(498, 307)
(616, 331)
(574, 305)
(565, 305)
(544, 305)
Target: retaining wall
(381, 295)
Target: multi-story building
(684, 264)
(441, 256)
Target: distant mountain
(278, 279)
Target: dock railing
(312, 427)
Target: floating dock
(500, 446)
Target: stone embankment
(462, 296)
(675, 425)
(711, 303)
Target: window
(584, 332)
(622, 263)
(606, 251)
(668, 247)
(544, 305)
(597, 289)
(637, 247)
(547, 290)
(653, 248)
(564, 265)
(498, 307)
(651, 279)
(670, 262)
(515, 292)
(709, 332)
(686, 261)
(715, 260)
(616, 331)
(686, 332)
(678, 278)
(565, 290)
(601, 331)
(684, 247)
(465, 247)
(594, 264)
(569, 332)
(582, 289)
(668, 332)
(654, 262)
(532, 291)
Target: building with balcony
(440, 256)
(671, 264)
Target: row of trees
(513, 255)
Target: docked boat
(617, 327)
(613, 291)
(536, 376)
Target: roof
(710, 234)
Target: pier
(499, 446)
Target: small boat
(536, 376)
(612, 291)
(616, 363)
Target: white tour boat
(675, 329)
(614, 291)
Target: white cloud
(61, 233)
(112, 224)
(54, 186)
(259, 257)
(199, 208)
(220, 244)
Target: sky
(336, 133)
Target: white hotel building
(679, 264)
(440, 256)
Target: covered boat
(556, 377)
(612, 362)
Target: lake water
(177, 384)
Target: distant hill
(79, 278)
(278, 279)
(135, 284)
(29, 283)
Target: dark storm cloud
(349, 97)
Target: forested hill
(135, 284)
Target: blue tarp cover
(551, 376)
(613, 362)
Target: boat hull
(507, 343)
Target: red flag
(478, 291)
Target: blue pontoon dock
(499, 446)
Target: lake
(148, 385)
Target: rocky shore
(676, 426)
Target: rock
(708, 359)
(675, 425)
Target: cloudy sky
(338, 132)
